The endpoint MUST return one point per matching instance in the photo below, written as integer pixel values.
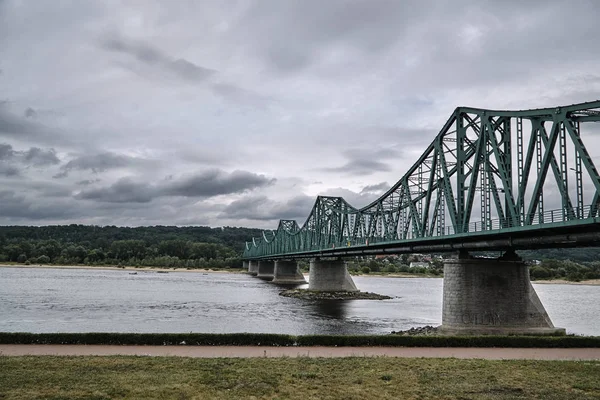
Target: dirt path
(263, 351)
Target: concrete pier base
(287, 273)
(487, 296)
(266, 270)
(330, 276)
(246, 266)
(253, 267)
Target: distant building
(415, 264)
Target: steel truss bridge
(490, 180)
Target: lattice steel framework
(485, 172)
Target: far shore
(591, 282)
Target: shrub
(389, 268)
(44, 259)
(539, 273)
(265, 339)
(365, 270)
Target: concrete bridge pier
(266, 270)
(287, 273)
(492, 296)
(245, 266)
(253, 267)
(330, 276)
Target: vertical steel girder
(472, 176)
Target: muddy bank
(318, 295)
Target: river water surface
(84, 300)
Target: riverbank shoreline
(590, 282)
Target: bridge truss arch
(490, 179)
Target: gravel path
(264, 351)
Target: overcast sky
(238, 113)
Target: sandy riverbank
(316, 351)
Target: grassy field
(297, 378)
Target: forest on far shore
(206, 247)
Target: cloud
(40, 157)
(30, 112)
(125, 190)
(12, 161)
(6, 152)
(357, 200)
(202, 185)
(346, 94)
(25, 128)
(99, 163)
(376, 188)
(215, 182)
(15, 207)
(151, 56)
(316, 27)
(87, 182)
(365, 162)
(8, 170)
(263, 209)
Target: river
(85, 300)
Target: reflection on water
(330, 308)
(73, 300)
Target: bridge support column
(253, 267)
(246, 266)
(266, 270)
(287, 273)
(492, 296)
(330, 276)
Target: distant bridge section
(489, 180)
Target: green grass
(293, 378)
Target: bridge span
(490, 180)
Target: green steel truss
(486, 171)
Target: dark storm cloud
(125, 190)
(40, 157)
(215, 182)
(203, 185)
(13, 161)
(34, 156)
(6, 152)
(153, 57)
(16, 206)
(365, 162)
(99, 163)
(261, 208)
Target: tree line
(205, 247)
(158, 246)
